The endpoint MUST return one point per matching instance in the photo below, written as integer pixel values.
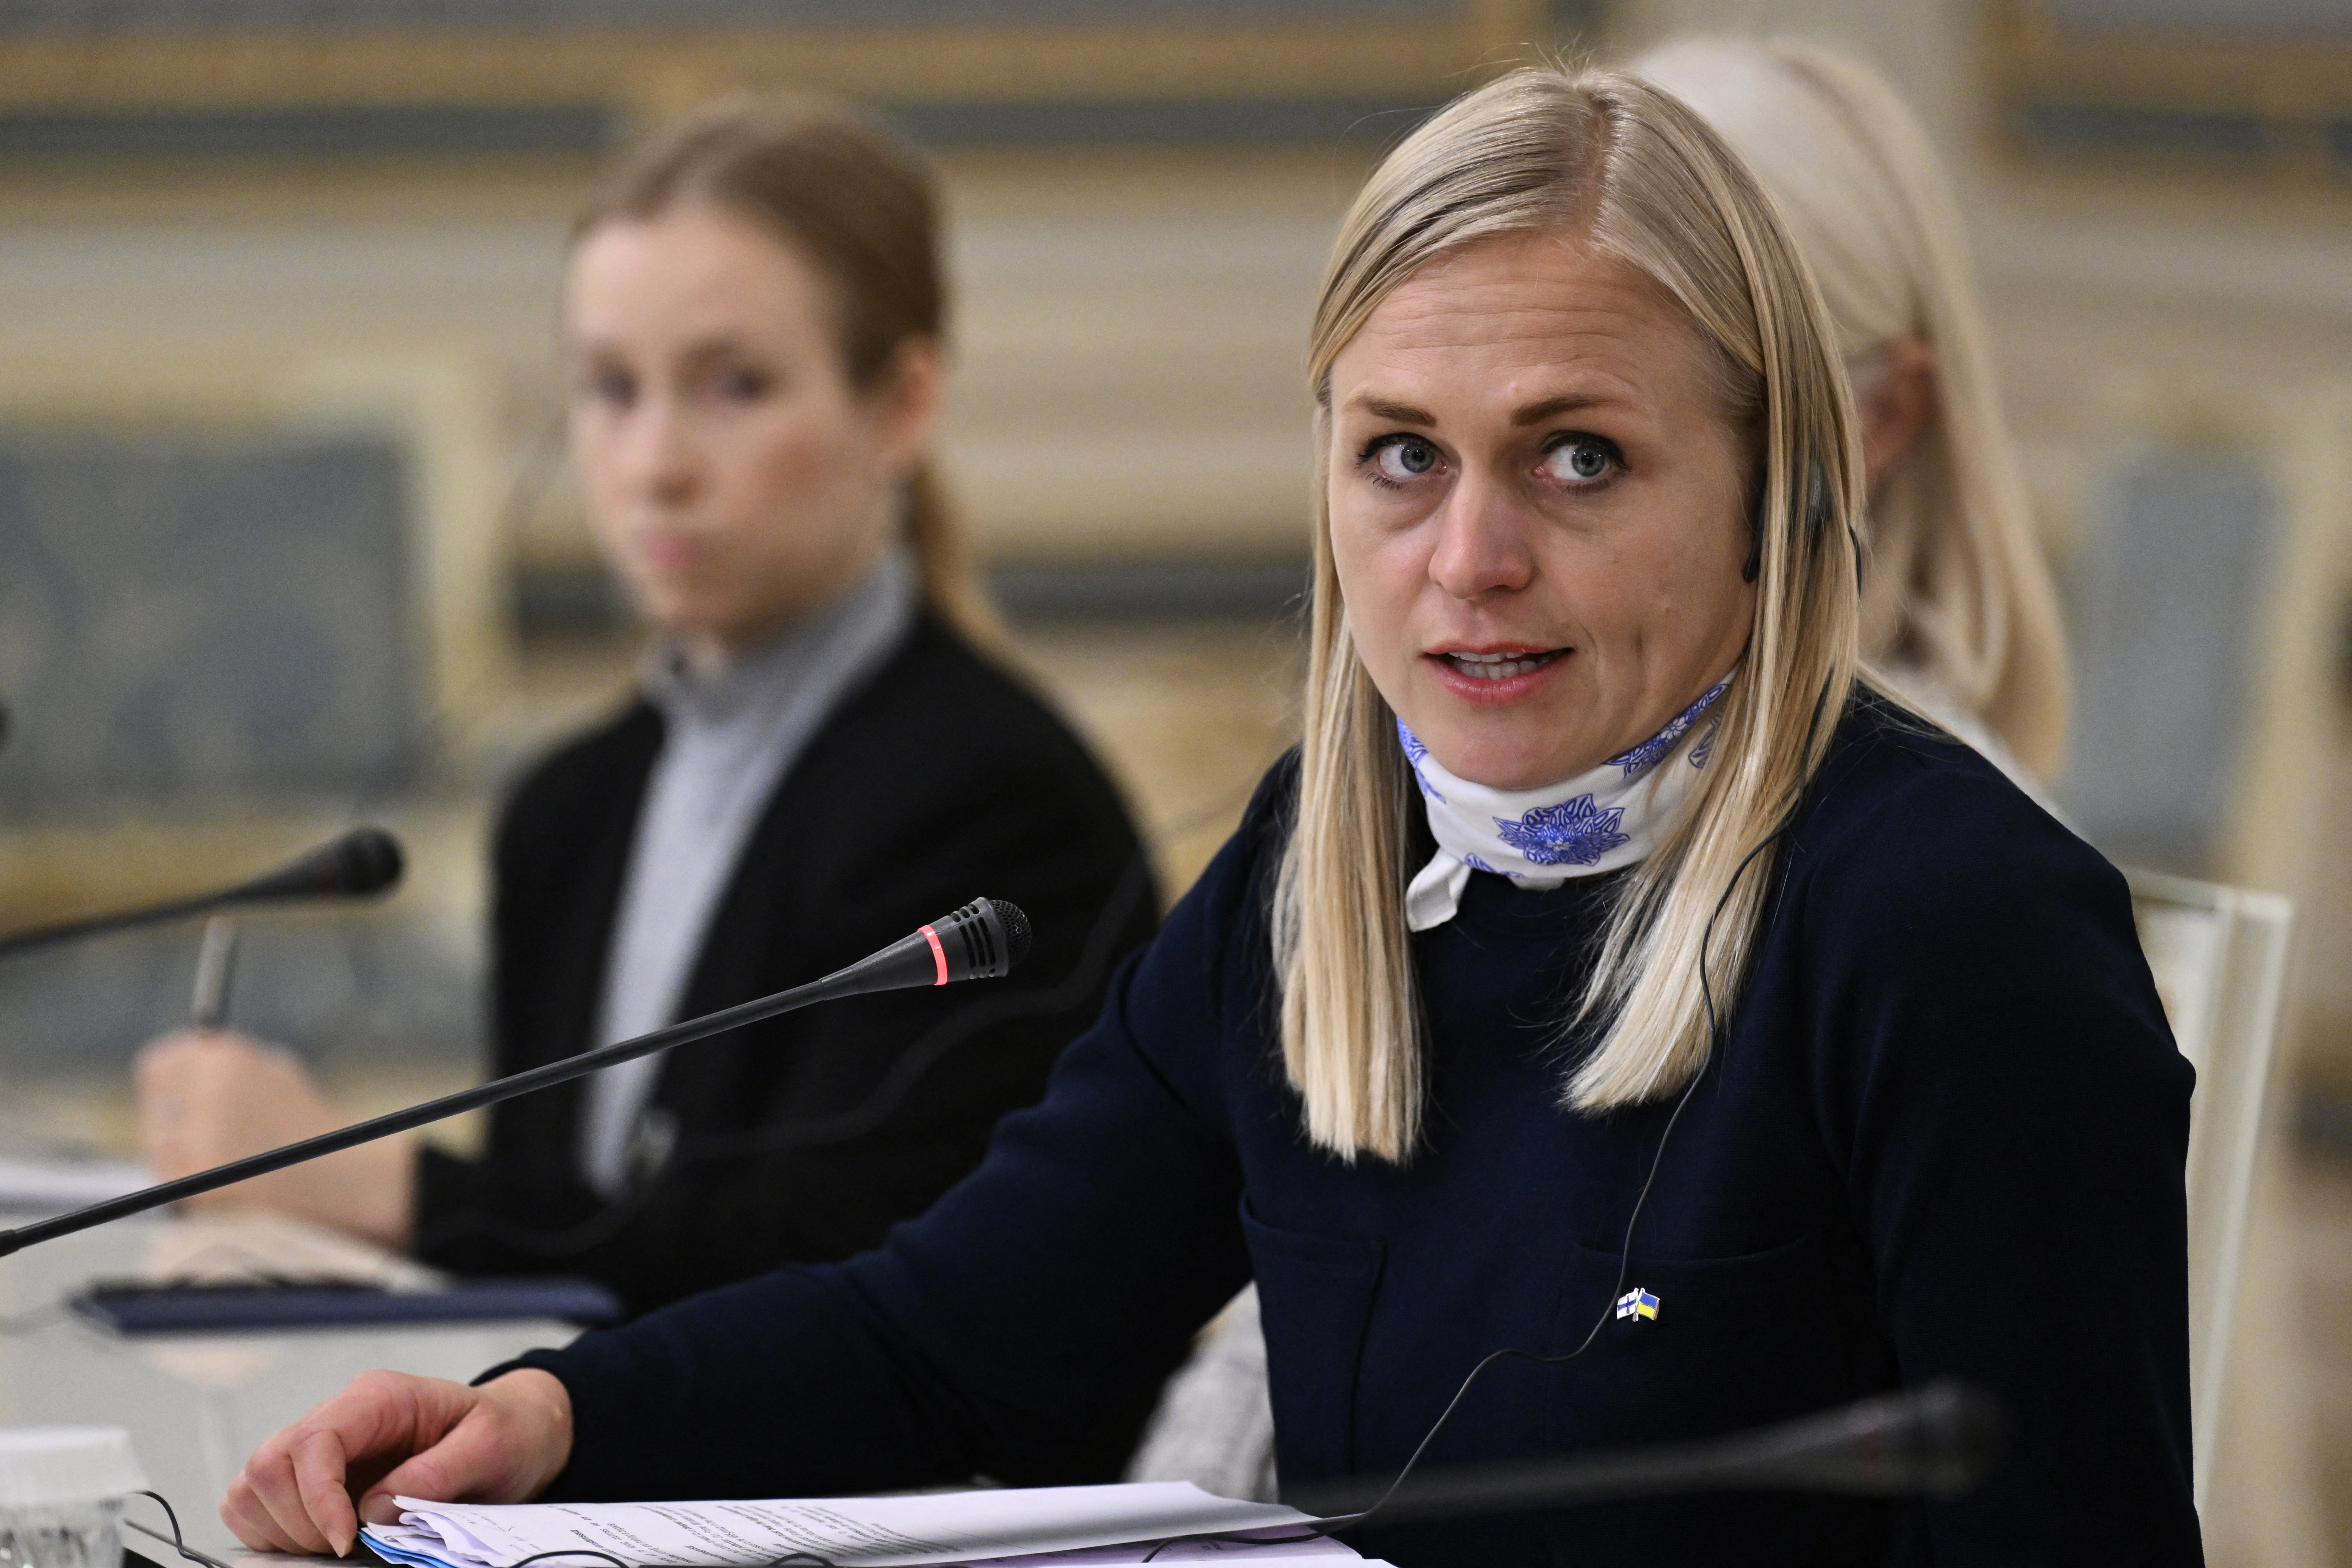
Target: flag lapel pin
(1637, 1304)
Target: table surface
(196, 1404)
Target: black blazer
(941, 780)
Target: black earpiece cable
(174, 1541)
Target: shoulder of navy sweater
(1214, 940)
(1904, 819)
(1237, 889)
(1921, 878)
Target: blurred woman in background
(1957, 602)
(820, 758)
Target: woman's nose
(663, 462)
(1482, 545)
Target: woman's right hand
(210, 1095)
(306, 1490)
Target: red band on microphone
(939, 954)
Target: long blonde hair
(1956, 590)
(859, 203)
(1635, 175)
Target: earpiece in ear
(1817, 499)
(1817, 517)
(1754, 566)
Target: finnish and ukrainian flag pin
(1638, 1304)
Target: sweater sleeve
(1037, 1306)
(1999, 1079)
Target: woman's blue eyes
(1576, 461)
(1580, 460)
(1401, 460)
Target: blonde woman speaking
(1958, 607)
(1612, 975)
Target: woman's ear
(1894, 404)
(907, 402)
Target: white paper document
(1077, 1524)
(53, 1185)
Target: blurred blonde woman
(1619, 1023)
(1956, 603)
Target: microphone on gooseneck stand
(981, 941)
(361, 863)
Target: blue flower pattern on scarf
(1579, 831)
(1573, 832)
(1413, 752)
(1659, 744)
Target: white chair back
(2218, 955)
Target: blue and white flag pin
(1637, 1304)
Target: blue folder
(129, 1308)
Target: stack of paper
(51, 1187)
(1059, 1525)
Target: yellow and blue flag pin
(1637, 1304)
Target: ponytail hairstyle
(1956, 592)
(1620, 167)
(858, 204)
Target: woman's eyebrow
(703, 352)
(1396, 413)
(1537, 413)
(1532, 413)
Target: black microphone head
(981, 940)
(1017, 931)
(363, 861)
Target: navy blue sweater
(1944, 1135)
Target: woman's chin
(686, 610)
(1507, 755)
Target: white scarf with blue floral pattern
(1594, 823)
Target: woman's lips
(1496, 676)
(669, 552)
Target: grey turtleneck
(728, 739)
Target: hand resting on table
(306, 1490)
